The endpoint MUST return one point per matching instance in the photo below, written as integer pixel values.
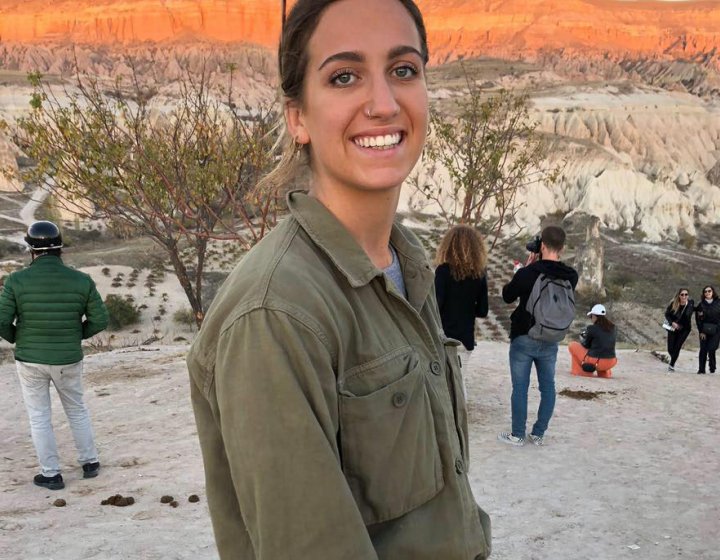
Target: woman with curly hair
(461, 283)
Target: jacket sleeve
(589, 336)
(441, 278)
(96, 315)
(699, 317)
(481, 302)
(517, 286)
(669, 314)
(278, 420)
(8, 312)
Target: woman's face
(683, 295)
(364, 111)
(593, 318)
(708, 292)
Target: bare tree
(480, 157)
(181, 172)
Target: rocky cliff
(457, 28)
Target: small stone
(193, 498)
(174, 504)
(59, 503)
(166, 499)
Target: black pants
(708, 346)
(675, 341)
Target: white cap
(598, 309)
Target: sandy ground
(632, 473)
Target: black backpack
(552, 306)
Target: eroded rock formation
(507, 28)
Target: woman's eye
(343, 78)
(405, 72)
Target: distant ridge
(457, 28)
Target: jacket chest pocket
(389, 446)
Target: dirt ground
(631, 473)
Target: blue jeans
(524, 351)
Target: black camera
(534, 244)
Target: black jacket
(522, 284)
(460, 301)
(682, 317)
(707, 313)
(599, 342)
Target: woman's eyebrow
(403, 49)
(354, 56)
(350, 56)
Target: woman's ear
(296, 122)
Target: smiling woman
(329, 404)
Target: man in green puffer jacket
(47, 309)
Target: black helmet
(43, 235)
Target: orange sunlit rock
(509, 28)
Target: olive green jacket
(329, 408)
(47, 309)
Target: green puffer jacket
(42, 309)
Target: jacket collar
(46, 258)
(346, 254)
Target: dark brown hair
(553, 237)
(299, 27)
(463, 249)
(604, 323)
(715, 294)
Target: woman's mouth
(380, 142)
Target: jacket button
(399, 399)
(459, 466)
(435, 367)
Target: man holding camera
(543, 274)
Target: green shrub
(184, 316)
(122, 312)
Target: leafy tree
(180, 170)
(479, 157)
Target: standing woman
(679, 314)
(707, 316)
(327, 399)
(461, 284)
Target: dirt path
(631, 473)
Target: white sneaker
(536, 440)
(507, 437)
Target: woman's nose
(382, 103)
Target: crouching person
(595, 353)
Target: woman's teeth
(379, 142)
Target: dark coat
(47, 309)
(599, 342)
(522, 284)
(707, 313)
(460, 301)
(683, 316)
